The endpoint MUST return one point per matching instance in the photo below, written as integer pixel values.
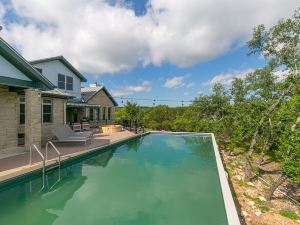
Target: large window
(91, 114)
(65, 82)
(98, 114)
(109, 113)
(22, 110)
(69, 83)
(61, 81)
(47, 110)
(103, 113)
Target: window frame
(61, 82)
(108, 113)
(69, 83)
(104, 113)
(51, 110)
(21, 102)
(66, 82)
(98, 116)
(91, 114)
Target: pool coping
(231, 212)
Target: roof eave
(21, 64)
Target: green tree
(280, 45)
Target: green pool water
(156, 179)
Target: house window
(39, 69)
(22, 110)
(103, 113)
(47, 110)
(69, 83)
(61, 84)
(91, 114)
(109, 113)
(98, 114)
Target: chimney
(94, 84)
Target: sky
(144, 49)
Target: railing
(56, 150)
(43, 158)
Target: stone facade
(102, 99)
(58, 117)
(32, 118)
(8, 119)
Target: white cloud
(191, 84)
(186, 93)
(175, 82)
(227, 78)
(281, 74)
(130, 90)
(100, 38)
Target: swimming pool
(155, 179)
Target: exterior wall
(8, 70)
(53, 68)
(32, 118)
(102, 99)
(57, 118)
(8, 119)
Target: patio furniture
(64, 133)
(76, 127)
(85, 126)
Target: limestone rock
(258, 213)
(261, 198)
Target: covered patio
(79, 112)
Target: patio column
(33, 124)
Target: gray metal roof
(57, 93)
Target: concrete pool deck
(18, 165)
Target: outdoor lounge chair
(85, 126)
(76, 127)
(64, 133)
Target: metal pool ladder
(56, 150)
(43, 158)
(59, 156)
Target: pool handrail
(43, 158)
(56, 150)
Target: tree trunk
(275, 185)
(248, 166)
(261, 159)
(265, 114)
(248, 169)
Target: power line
(154, 99)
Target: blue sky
(156, 49)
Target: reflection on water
(160, 179)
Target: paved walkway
(19, 164)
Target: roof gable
(89, 92)
(35, 79)
(63, 61)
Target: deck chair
(63, 134)
(76, 127)
(86, 126)
(66, 129)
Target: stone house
(98, 94)
(20, 85)
(35, 97)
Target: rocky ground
(254, 209)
